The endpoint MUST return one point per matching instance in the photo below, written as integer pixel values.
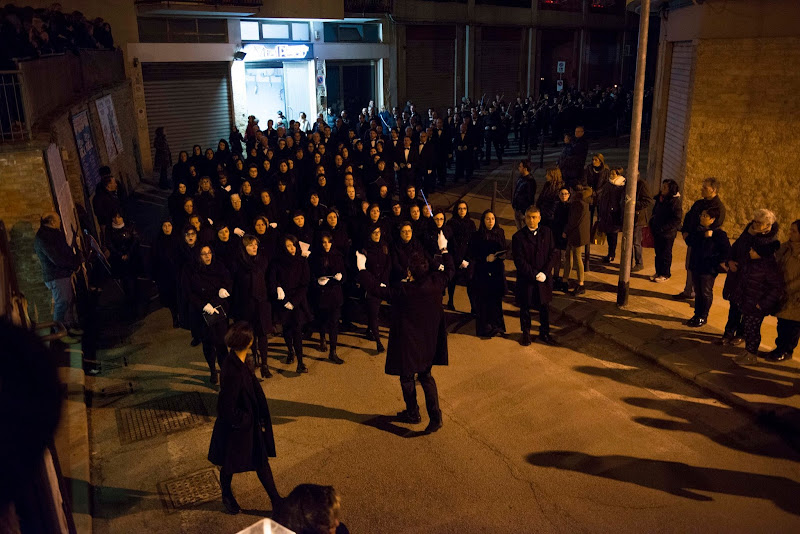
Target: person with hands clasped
(289, 278)
(328, 269)
(535, 255)
(208, 285)
(710, 250)
(417, 335)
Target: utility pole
(633, 159)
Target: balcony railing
(14, 123)
(368, 6)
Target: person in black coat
(664, 224)
(289, 278)
(341, 239)
(405, 161)
(710, 250)
(462, 227)
(465, 149)
(379, 264)
(227, 246)
(534, 257)
(122, 241)
(328, 270)
(208, 285)
(489, 280)
(164, 268)
(402, 249)
(175, 202)
(242, 439)
(251, 299)
(417, 336)
(180, 171)
(58, 261)
(430, 234)
(524, 194)
(558, 225)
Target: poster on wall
(87, 150)
(108, 122)
(64, 202)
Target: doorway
(351, 85)
(265, 91)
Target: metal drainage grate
(192, 489)
(161, 416)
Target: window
(249, 30)
(351, 33)
(173, 30)
(254, 30)
(275, 31)
(300, 31)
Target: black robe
(534, 254)
(202, 284)
(250, 298)
(165, 268)
(489, 280)
(292, 274)
(323, 263)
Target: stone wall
(745, 119)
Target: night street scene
(399, 266)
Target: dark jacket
(292, 274)
(524, 193)
(609, 207)
(643, 202)
(547, 201)
(761, 287)
(202, 284)
(578, 229)
(401, 253)
(534, 253)
(558, 224)
(251, 301)
(165, 267)
(323, 263)
(242, 439)
(417, 335)
(56, 257)
(489, 277)
(740, 253)
(707, 252)
(105, 204)
(462, 232)
(666, 217)
(692, 218)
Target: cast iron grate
(161, 416)
(192, 489)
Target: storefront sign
(261, 52)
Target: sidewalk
(651, 325)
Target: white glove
(281, 294)
(541, 277)
(490, 258)
(383, 285)
(223, 293)
(288, 306)
(210, 222)
(337, 277)
(441, 241)
(305, 253)
(238, 231)
(322, 280)
(209, 309)
(464, 264)
(361, 261)
(273, 225)
(441, 267)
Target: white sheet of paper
(304, 247)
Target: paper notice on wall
(64, 202)
(108, 122)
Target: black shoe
(607, 259)
(409, 417)
(696, 322)
(526, 339)
(290, 358)
(636, 268)
(301, 368)
(335, 358)
(265, 371)
(214, 379)
(323, 347)
(580, 290)
(379, 346)
(369, 335)
(724, 340)
(230, 504)
(433, 426)
(195, 342)
(547, 339)
(683, 296)
(778, 355)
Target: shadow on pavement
(675, 478)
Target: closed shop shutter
(499, 58)
(190, 100)
(680, 85)
(430, 67)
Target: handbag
(647, 237)
(598, 236)
(213, 318)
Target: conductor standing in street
(417, 336)
(534, 257)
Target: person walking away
(534, 256)
(163, 157)
(664, 224)
(578, 234)
(59, 264)
(640, 220)
(609, 210)
(710, 199)
(242, 439)
(417, 335)
(788, 258)
(761, 231)
(708, 259)
(524, 194)
(486, 251)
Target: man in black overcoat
(425, 163)
(417, 335)
(535, 256)
(406, 160)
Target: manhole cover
(161, 416)
(192, 489)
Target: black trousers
(441, 171)
(611, 237)
(703, 293)
(751, 324)
(663, 248)
(734, 325)
(525, 317)
(329, 323)
(260, 346)
(409, 387)
(373, 307)
(293, 336)
(264, 475)
(498, 147)
(788, 335)
(463, 167)
(214, 352)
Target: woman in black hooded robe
(489, 281)
(289, 277)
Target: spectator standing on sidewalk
(664, 224)
(577, 233)
(524, 193)
(609, 210)
(549, 197)
(761, 231)
(788, 258)
(710, 199)
(640, 220)
(711, 248)
(596, 175)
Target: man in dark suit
(444, 150)
(535, 257)
(405, 161)
(465, 152)
(425, 159)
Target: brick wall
(25, 194)
(745, 120)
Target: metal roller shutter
(190, 100)
(430, 67)
(499, 57)
(680, 85)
